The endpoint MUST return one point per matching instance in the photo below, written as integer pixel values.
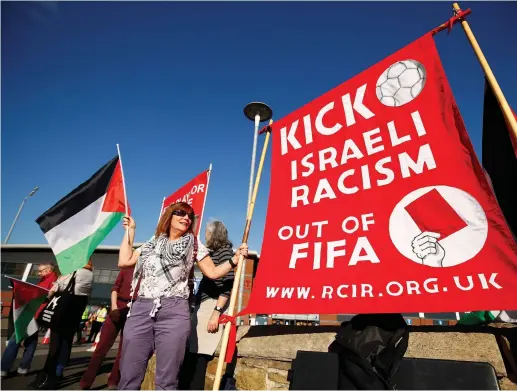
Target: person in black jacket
(212, 299)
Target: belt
(124, 300)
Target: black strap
(190, 282)
(137, 286)
(71, 284)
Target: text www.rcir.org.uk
(392, 288)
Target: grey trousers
(166, 334)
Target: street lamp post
(19, 211)
(28, 267)
(257, 112)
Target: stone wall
(265, 352)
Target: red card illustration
(432, 213)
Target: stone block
(251, 379)
(264, 363)
(477, 347)
(507, 384)
(212, 366)
(277, 376)
(148, 383)
(265, 353)
(283, 347)
(480, 347)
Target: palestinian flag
(80, 221)
(499, 156)
(27, 298)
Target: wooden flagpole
(507, 112)
(123, 187)
(238, 271)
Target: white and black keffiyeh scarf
(170, 259)
(171, 253)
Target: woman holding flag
(159, 319)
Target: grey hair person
(218, 236)
(50, 265)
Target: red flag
(359, 177)
(194, 194)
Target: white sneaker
(4, 373)
(22, 371)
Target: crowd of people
(153, 308)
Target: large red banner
(378, 202)
(194, 194)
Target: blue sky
(168, 81)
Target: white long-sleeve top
(83, 282)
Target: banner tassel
(232, 340)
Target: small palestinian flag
(478, 317)
(485, 317)
(27, 298)
(80, 221)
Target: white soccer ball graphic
(401, 83)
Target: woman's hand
(128, 222)
(213, 323)
(127, 256)
(243, 250)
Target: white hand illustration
(427, 248)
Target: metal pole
(27, 272)
(28, 267)
(253, 156)
(18, 214)
(250, 191)
(15, 220)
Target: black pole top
(254, 108)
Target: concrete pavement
(79, 361)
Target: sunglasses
(182, 213)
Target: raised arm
(208, 268)
(127, 256)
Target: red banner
(378, 202)
(194, 194)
